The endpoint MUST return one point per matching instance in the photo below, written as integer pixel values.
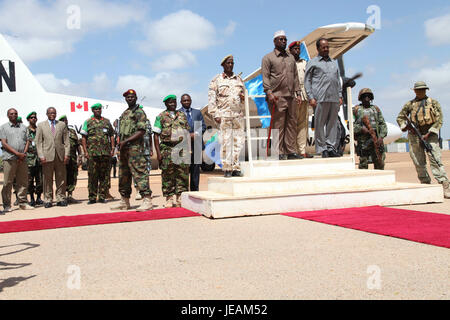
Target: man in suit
(197, 127)
(53, 147)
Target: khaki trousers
(14, 169)
(285, 121)
(59, 169)
(302, 127)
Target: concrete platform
(273, 187)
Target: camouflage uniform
(365, 147)
(72, 166)
(426, 115)
(224, 102)
(175, 176)
(98, 135)
(132, 162)
(34, 166)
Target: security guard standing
(98, 146)
(170, 127)
(366, 147)
(74, 160)
(426, 115)
(33, 163)
(132, 161)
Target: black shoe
(307, 155)
(283, 157)
(39, 201)
(333, 154)
(237, 174)
(325, 154)
(32, 203)
(62, 203)
(92, 201)
(48, 205)
(294, 156)
(101, 201)
(227, 174)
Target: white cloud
(437, 30)
(40, 29)
(174, 61)
(184, 30)
(155, 88)
(230, 28)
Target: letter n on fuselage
(10, 79)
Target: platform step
(219, 205)
(315, 182)
(286, 168)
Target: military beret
(170, 96)
(225, 59)
(130, 91)
(19, 119)
(62, 117)
(30, 114)
(96, 106)
(294, 43)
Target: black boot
(38, 199)
(32, 202)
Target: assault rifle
(424, 143)
(374, 137)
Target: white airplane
(19, 89)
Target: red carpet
(424, 227)
(92, 219)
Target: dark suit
(198, 125)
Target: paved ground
(265, 257)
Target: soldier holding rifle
(426, 117)
(369, 129)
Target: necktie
(189, 118)
(53, 127)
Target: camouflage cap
(420, 85)
(363, 91)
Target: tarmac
(270, 257)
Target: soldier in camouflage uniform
(33, 163)
(426, 115)
(225, 104)
(74, 161)
(148, 152)
(366, 147)
(98, 145)
(171, 127)
(132, 162)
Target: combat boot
(146, 204)
(124, 204)
(169, 202)
(446, 187)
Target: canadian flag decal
(73, 107)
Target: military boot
(446, 187)
(178, 201)
(124, 204)
(169, 202)
(146, 204)
(39, 200)
(32, 201)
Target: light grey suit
(53, 148)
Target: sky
(100, 48)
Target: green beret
(30, 114)
(19, 118)
(62, 117)
(96, 106)
(170, 96)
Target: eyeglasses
(32, 118)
